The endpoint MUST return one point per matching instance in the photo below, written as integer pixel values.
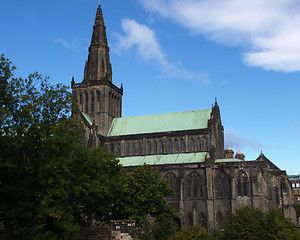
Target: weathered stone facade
(208, 181)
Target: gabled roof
(163, 159)
(166, 122)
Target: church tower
(97, 97)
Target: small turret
(229, 153)
(240, 155)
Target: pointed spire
(98, 66)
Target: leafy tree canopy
(145, 195)
(251, 223)
(50, 183)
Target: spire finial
(99, 2)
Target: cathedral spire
(98, 66)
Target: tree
(145, 195)
(50, 184)
(195, 232)
(251, 223)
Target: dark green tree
(50, 183)
(145, 195)
(251, 223)
(195, 232)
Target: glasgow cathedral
(186, 147)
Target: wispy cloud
(267, 29)
(238, 142)
(62, 42)
(144, 40)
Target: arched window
(119, 149)
(176, 145)
(195, 186)
(140, 148)
(277, 196)
(242, 184)
(202, 220)
(192, 145)
(102, 65)
(223, 185)
(154, 147)
(112, 148)
(173, 183)
(219, 220)
(161, 146)
(205, 144)
(98, 100)
(170, 146)
(128, 149)
(198, 144)
(133, 148)
(86, 102)
(148, 147)
(92, 102)
(182, 145)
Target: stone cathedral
(186, 147)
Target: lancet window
(242, 184)
(223, 187)
(195, 186)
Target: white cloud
(62, 42)
(268, 29)
(238, 142)
(144, 40)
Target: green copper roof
(228, 160)
(87, 117)
(163, 159)
(160, 123)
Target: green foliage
(50, 183)
(251, 223)
(297, 206)
(161, 231)
(144, 195)
(195, 232)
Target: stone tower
(96, 95)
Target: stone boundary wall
(116, 230)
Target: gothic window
(154, 147)
(223, 189)
(133, 148)
(182, 145)
(277, 196)
(242, 184)
(92, 101)
(192, 144)
(198, 144)
(92, 75)
(80, 98)
(119, 149)
(161, 146)
(102, 65)
(176, 145)
(205, 144)
(86, 102)
(148, 147)
(173, 183)
(128, 149)
(140, 148)
(191, 220)
(112, 148)
(170, 146)
(195, 186)
(202, 220)
(219, 220)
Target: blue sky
(174, 55)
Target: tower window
(92, 75)
(92, 100)
(87, 102)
